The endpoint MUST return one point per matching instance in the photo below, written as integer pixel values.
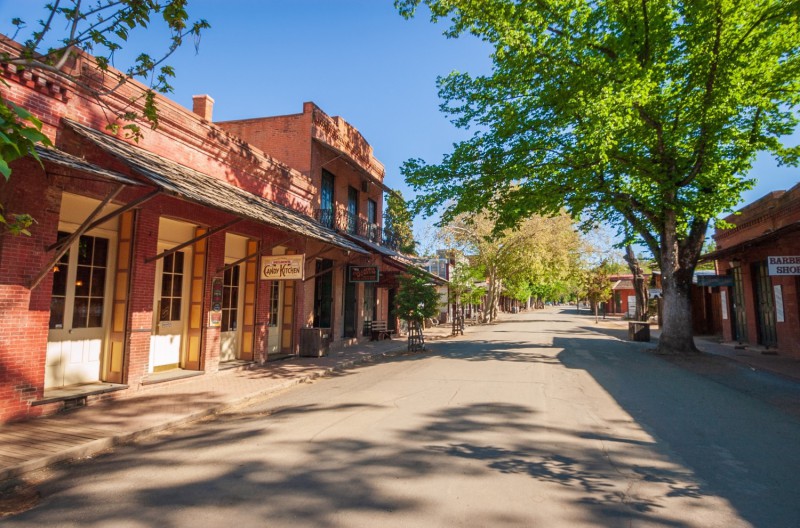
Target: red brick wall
(773, 211)
(26, 313)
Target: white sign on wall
(784, 265)
(723, 301)
(283, 267)
(779, 316)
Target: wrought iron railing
(324, 217)
(356, 226)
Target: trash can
(314, 342)
(638, 331)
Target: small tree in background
(398, 224)
(417, 299)
(598, 286)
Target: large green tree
(644, 113)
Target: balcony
(354, 225)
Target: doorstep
(79, 391)
(170, 375)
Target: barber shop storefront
(761, 257)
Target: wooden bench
(380, 331)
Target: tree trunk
(677, 268)
(639, 285)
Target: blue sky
(355, 58)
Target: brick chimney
(203, 105)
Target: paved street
(543, 420)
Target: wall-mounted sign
(784, 265)
(216, 291)
(364, 274)
(283, 267)
(780, 317)
(715, 280)
(723, 300)
(214, 319)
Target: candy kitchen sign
(283, 267)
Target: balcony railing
(356, 226)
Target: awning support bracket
(74, 236)
(225, 268)
(112, 214)
(192, 241)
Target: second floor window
(352, 210)
(326, 199)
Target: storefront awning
(62, 159)
(194, 186)
(739, 249)
(623, 284)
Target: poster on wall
(779, 316)
(283, 267)
(723, 300)
(215, 314)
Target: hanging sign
(715, 280)
(364, 274)
(216, 294)
(784, 265)
(283, 267)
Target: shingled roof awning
(62, 159)
(192, 185)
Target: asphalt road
(541, 421)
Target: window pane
(176, 309)
(98, 282)
(95, 313)
(236, 275)
(226, 298)
(80, 313)
(233, 318)
(60, 279)
(166, 285)
(177, 285)
(82, 281)
(163, 314)
(178, 262)
(168, 260)
(100, 252)
(56, 312)
(85, 250)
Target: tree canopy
(398, 223)
(100, 28)
(540, 251)
(646, 115)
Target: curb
(101, 444)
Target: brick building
(191, 250)
(761, 259)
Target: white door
(631, 306)
(232, 299)
(169, 310)
(275, 317)
(78, 312)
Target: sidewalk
(752, 356)
(41, 442)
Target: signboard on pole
(364, 274)
(715, 280)
(283, 267)
(784, 265)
